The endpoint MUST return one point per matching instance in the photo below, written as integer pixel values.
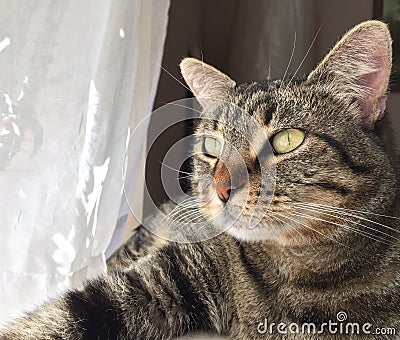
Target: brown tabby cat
(326, 253)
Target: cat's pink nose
(223, 192)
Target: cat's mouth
(238, 220)
(244, 214)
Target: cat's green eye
(212, 146)
(287, 140)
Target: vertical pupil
(216, 147)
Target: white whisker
(170, 167)
(181, 208)
(187, 107)
(320, 210)
(346, 209)
(170, 74)
(298, 232)
(291, 57)
(362, 233)
(269, 70)
(318, 232)
(308, 51)
(304, 225)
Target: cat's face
(318, 133)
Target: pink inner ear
(358, 67)
(374, 102)
(377, 81)
(204, 80)
(198, 85)
(194, 85)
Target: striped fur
(313, 260)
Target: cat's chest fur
(272, 289)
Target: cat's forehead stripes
(264, 100)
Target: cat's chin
(250, 235)
(228, 218)
(241, 228)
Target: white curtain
(75, 76)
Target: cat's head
(321, 129)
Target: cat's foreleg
(164, 295)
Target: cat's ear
(205, 81)
(358, 69)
